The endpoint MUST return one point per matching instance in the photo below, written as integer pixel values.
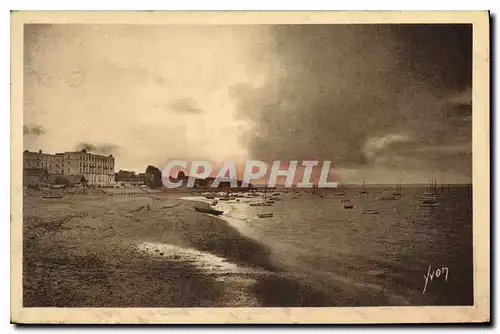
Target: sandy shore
(110, 251)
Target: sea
(405, 254)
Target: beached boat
(211, 196)
(209, 210)
(260, 204)
(265, 215)
(52, 196)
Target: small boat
(294, 197)
(429, 201)
(209, 210)
(393, 197)
(209, 196)
(348, 205)
(52, 196)
(370, 212)
(270, 201)
(345, 201)
(260, 204)
(265, 215)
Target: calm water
(387, 253)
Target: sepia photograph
(249, 167)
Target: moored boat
(392, 197)
(348, 204)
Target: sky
(384, 103)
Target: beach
(142, 250)
(89, 252)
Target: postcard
(250, 167)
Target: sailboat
(398, 190)
(429, 198)
(394, 196)
(364, 188)
(368, 211)
(340, 191)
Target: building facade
(40, 160)
(96, 169)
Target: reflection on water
(315, 237)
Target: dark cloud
(185, 106)
(335, 88)
(98, 148)
(35, 130)
(440, 54)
